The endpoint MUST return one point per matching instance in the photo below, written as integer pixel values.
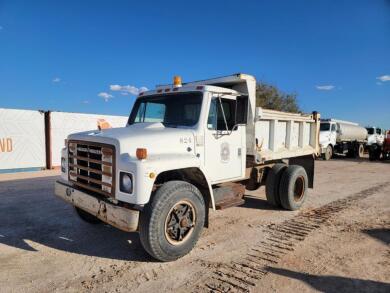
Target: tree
(270, 97)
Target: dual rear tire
(286, 186)
(356, 151)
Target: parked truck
(375, 136)
(188, 149)
(386, 147)
(342, 137)
(379, 144)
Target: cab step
(228, 195)
(229, 203)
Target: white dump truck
(188, 149)
(342, 137)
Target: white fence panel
(63, 124)
(22, 139)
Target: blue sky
(60, 55)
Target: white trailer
(187, 148)
(342, 137)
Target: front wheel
(170, 225)
(374, 152)
(328, 153)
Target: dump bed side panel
(281, 135)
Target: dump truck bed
(281, 135)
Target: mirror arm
(223, 113)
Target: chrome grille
(92, 166)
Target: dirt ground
(338, 242)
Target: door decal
(225, 152)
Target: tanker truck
(342, 137)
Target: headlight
(126, 182)
(63, 165)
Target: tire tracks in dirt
(281, 239)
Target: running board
(229, 203)
(228, 195)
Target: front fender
(146, 171)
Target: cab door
(380, 135)
(333, 133)
(225, 140)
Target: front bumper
(119, 217)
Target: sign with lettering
(5, 145)
(22, 139)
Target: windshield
(325, 127)
(172, 110)
(370, 130)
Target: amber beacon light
(177, 81)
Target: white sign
(22, 139)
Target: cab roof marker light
(200, 87)
(159, 91)
(167, 90)
(175, 89)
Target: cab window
(218, 107)
(150, 112)
(324, 127)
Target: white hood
(155, 137)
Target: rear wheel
(293, 187)
(328, 153)
(272, 184)
(86, 217)
(360, 151)
(253, 181)
(171, 223)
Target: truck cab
(169, 128)
(375, 135)
(328, 135)
(188, 148)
